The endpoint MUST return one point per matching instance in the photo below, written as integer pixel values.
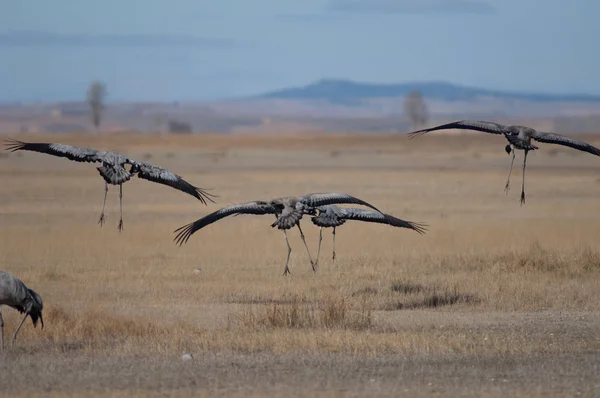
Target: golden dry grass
(489, 279)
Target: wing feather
(552, 138)
(78, 154)
(114, 174)
(376, 217)
(322, 199)
(257, 207)
(162, 176)
(478, 125)
(288, 218)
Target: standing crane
(334, 216)
(518, 137)
(15, 294)
(113, 170)
(288, 212)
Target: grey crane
(333, 216)
(518, 137)
(15, 294)
(288, 212)
(113, 170)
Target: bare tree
(415, 109)
(95, 98)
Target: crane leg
(313, 265)
(120, 227)
(333, 244)
(319, 248)
(286, 270)
(2, 328)
(507, 187)
(14, 338)
(101, 220)
(523, 184)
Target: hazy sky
(200, 49)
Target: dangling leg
(120, 227)
(314, 267)
(507, 187)
(286, 270)
(333, 243)
(101, 220)
(2, 328)
(19, 328)
(319, 248)
(523, 184)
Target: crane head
(35, 312)
(135, 168)
(508, 149)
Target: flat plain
(495, 299)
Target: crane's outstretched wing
(373, 216)
(157, 174)
(552, 138)
(78, 154)
(322, 199)
(479, 125)
(184, 233)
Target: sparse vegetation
(301, 313)
(491, 281)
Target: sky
(195, 50)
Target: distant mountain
(347, 92)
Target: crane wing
(479, 125)
(259, 207)
(553, 138)
(322, 199)
(162, 176)
(78, 154)
(376, 217)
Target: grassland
(495, 299)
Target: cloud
(38, 38)
(412, 6)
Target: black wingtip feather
(416, 134)
(420, 228)
(199, 193)
(13, 145)
(184, 234)
(204, 196)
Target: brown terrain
(496, 299)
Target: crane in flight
(113, 170)
(288, 212)
(332, 216)
(518, 137)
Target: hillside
(345, 91)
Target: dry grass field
(496, 299)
